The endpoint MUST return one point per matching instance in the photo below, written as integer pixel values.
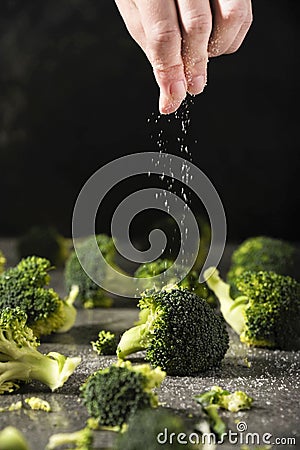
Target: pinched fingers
(232, 20)
(155, 27)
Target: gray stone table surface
(272, 380)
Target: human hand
(178, 37)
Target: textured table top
(272, 380)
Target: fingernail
(178, 90)
(197, 84)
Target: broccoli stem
(70, 312)
(216, 423)
(52, 369)
(56, 371)
(232, 310)
(132, 341)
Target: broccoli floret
(12, 439)
(2, 262)
(190, 282)
(153, 429)
(106, 344)
(211, 401)
(21, 361)
(179, 331)
(46, 242)
(90, 294)
(112, 394)
(25, 286)
(268, 311)
(81, 440)
(261, 253)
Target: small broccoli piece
(2, 262)
(81, 440)
(211, 401)
(153, 429)
(268, 311)
(21, 361)
(106, 344)
(12, 439)
(190, 282)
(261, 253)
(46, 242)
(179, 331)
(15, 406)
(90, 294)
(25, 286)
(112, 394)
(37, 403)
(216, 423)
(235, 401)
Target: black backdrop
(77, 92)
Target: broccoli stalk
(21, 361)
(216, 423)
(268, 311)
(232, 310)
(82, 439)
(70, 312)
(112, 394)
(179, 331)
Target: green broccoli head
(2, 262)
(267, 312)
(83, 439)
(21, 361)
(90, 294)
(190, 282)
(261, 253)
(153, 428)
(106, 343)
(46, 242)
(112, 394)
(25, 286)
(179, 331)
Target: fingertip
(196, 85)
(170, 101)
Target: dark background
(77, 92)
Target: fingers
(196, 25)
(163, 49)
(232, 20)
(178, 36)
